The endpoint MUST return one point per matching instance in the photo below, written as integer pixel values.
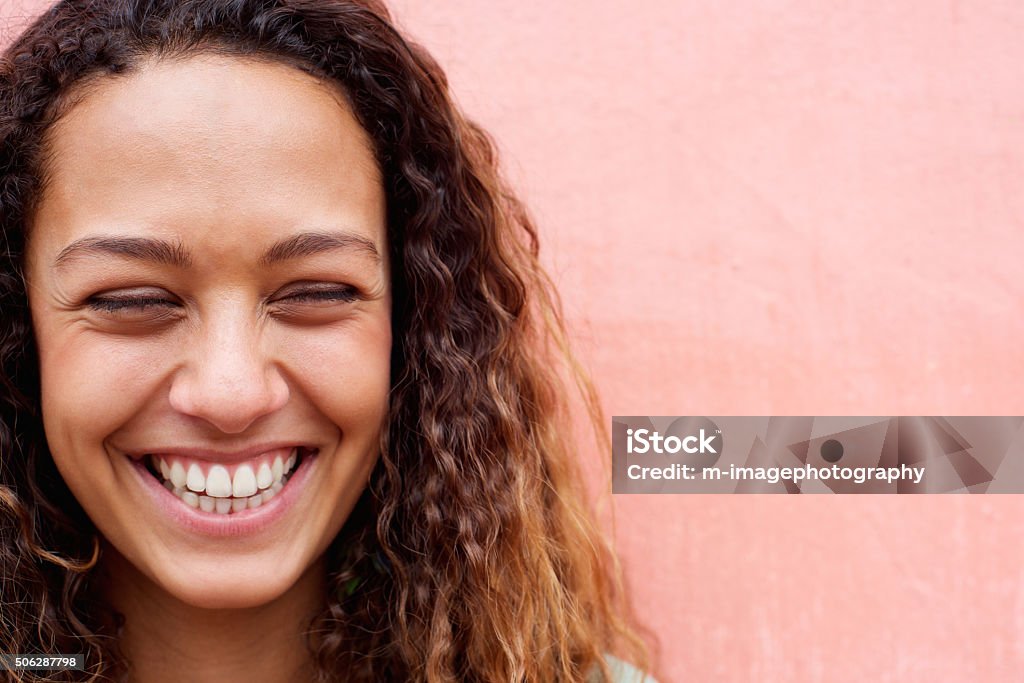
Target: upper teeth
(248, 478)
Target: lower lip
(244, 523)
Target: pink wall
(781, 208)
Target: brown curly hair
(472, 554)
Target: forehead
(185, 148)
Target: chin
(229, 584)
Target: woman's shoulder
(624, 672)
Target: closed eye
(129, 304)
(344, 294)
(116, 304)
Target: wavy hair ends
(472, 555)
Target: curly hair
(472, 555)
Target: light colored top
(624, 672)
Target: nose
(230, 381)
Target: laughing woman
(277, 364)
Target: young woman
(279, 393)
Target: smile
(226, 488)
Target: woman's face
(210, 293)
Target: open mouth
(227, 488)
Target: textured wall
(781, 208)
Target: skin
(222, 157)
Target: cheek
(94, 384)
(345, 373)
(91, 384)
(90, 387)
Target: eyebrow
(141, 248)
(311, 243)
(175, 254)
